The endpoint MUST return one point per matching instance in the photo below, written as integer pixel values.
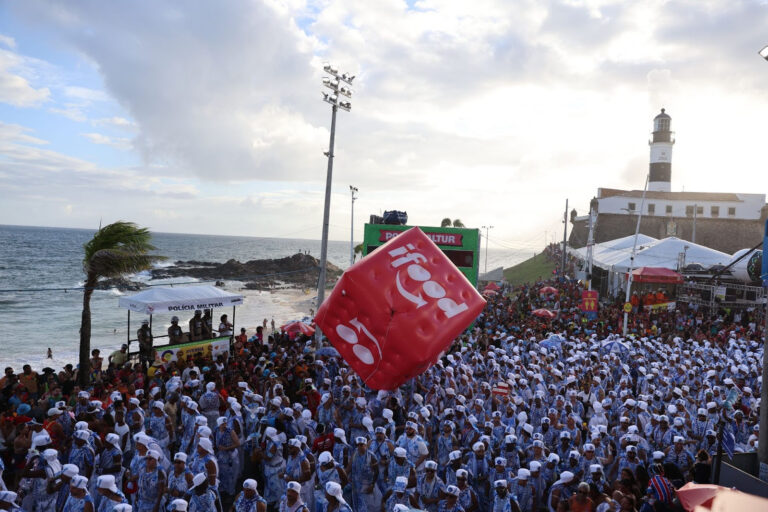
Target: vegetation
(530, 270)
(446, 223)
(115, 250)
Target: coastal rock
(120, 283)
(298, 270)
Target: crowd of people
(522, 414)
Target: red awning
(656, 275)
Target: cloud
(484, 110)
(15, 87)
(115, 142)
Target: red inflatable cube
(393, 313)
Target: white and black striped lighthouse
(660, 179)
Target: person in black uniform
(196, 326)
(144, 335)
(175, 334)
(207, 325)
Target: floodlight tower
(336, 83)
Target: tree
(358, 250)
(458, 224)
(115, 250)
(445, 223)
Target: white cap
(334, 489)
(250, 483)
(178, 505)
(199, 479)
(293, 486)
(400, 452)
(325, 458)
(70, 470)
(205, 444)
(523, 474)
(107, 482)
(180, 456)
(79, 482)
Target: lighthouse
(660, 176)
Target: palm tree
(115, 250)
(458, 224)
(445, 223)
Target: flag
(729, 441)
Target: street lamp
(762, 442)
(352, 191)
(335, 98)
(486, 228)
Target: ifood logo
(431, 289)
(349, 335)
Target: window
(731, 211)
(689, 210)
(699, 210)
(631, 207)
(669, 209)
(715, 211)
(651, 209)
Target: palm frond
(118, 262)
(116, 235)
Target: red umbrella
(543, 313)
(297, 327)
(693, 495)
(493, 286)
(547, 290)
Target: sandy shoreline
(280, 304)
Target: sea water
(41, 269)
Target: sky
(197, 116)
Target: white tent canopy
(174, 300)
(615, 255)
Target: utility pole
(486, 228)
(333, 98)
(634, 252)
(353, 191)
(565, 235)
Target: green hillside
(529, 270)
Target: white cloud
(15, 88)
(490, 111)
(115, 142)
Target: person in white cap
(341, 448)
(180, 477)
(159, 427)
(201, 497)
(205, 462)
(503, 501)
(399, 465)
(450, 502)
(81, 454)
(429, 488)
(248, 500)
(79, 500)
(468, 497)
(297, 466)
(151, 484)
(561, 490)
(292, 501)
(110, 494)
(363, 472)
(328, 471)
(399, 495)
(110, 460)
(60, 485)
(274, 466)
(334, 499)
(523, 490)
(8, 501)
(227, 455)
(209, 403)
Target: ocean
(36, 258)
